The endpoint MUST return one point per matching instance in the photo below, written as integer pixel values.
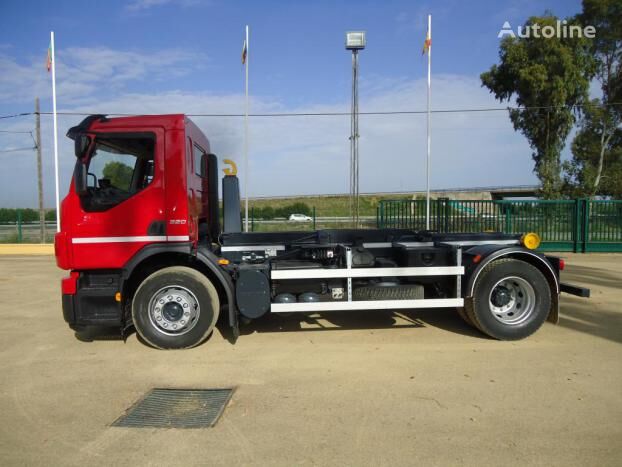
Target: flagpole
(246, 138)
(427, 202)
(53, 51)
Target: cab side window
(199, 161)
(118, 168)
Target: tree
(596, 167)
(119, 174)
(547, 77)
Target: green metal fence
(602, 226)
(579, 225)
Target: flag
(427, 43)
(49, 59)
(244, 50)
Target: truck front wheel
(511, 300)
(175, 308)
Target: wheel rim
(174, 310)
(512, 300)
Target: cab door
(123, 209)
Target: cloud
(20, 82)
(101, 66)
(90, 73)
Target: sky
(184, 56)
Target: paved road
(416, 388)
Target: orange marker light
(117, 296)
(223, 261)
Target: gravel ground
(373, 388)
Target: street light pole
(355, 41)
(39, 176)
(354, 142)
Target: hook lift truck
(142, 240)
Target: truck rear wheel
(175, 308)
(511, 300)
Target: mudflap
(127, 326)
(553, 316)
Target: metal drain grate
(177, 408)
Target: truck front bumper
(69, 312)
(88, 299)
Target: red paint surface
(175, 196)
(69, 285)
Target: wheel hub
(174, 310)
(501, 296)
(512, 300)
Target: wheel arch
(537, 260)
(157, 256)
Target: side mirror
(81, 144)
(80, 179)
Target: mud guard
(203, 255)
(210, 260)
(489, 253)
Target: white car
(300, 218)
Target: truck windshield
(118, 168)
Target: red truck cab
(146, 183)
(141, 185)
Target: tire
(175, 308)
(511, 300)
(465, 317)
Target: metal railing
(26, 232)
(579, 225)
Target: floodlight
(355, 40)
